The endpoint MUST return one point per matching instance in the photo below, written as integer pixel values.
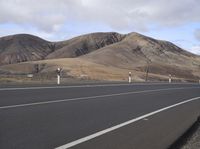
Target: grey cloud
(45, 15)
(50, 15)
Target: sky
(177, 21)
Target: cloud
(197, 34)
(51, 15)
(45, 15)
(15, 29)
(195, 50)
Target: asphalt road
(111, 116)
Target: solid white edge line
(97, 134)
(79, 86)
(91, 97)
(56, 87)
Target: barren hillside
(138, 52)
(84, 44)
(24, 47)
(103, 56)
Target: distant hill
(139, 48)
(137, 51)
(24, 47)
(100, 56)
(84, 44)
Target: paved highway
(110, 116)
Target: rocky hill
(84, 44)
(137, 51)
(24, 47)
(99, 56)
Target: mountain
(84, 44)
(138, 51)
(139, 48)
(24, 47)
(100, 56)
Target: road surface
(110, 116)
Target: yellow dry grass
(82, 68)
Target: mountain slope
(136, 48)
(138, 52)
(84, 44)
(110, 48)
(101, 56)
(23, 47)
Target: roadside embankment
(190, 139)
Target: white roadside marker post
(129, 77)
(170, 78)
(58, 75)
(58, 79)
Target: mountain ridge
(24, 47)
(99, 55)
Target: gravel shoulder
(190, 140)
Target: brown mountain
(138, 51)
(85, 44)
(101, 56)
(137, 48)
(24, 47)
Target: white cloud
(51, 15)
(45, 15)
(16, 29)
(195, 50)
